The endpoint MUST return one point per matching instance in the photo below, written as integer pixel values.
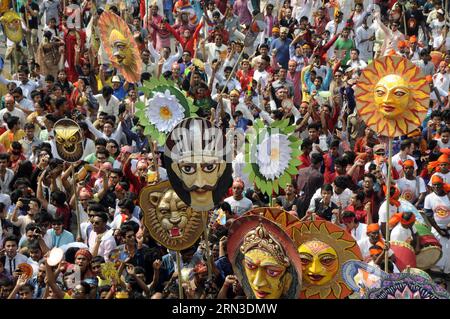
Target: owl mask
(68, 140)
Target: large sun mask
(392, 96)
(120, 46)
(319, 262)
(169, 220)
(68, 140)
(13, 26)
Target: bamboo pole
(77, 210)
(206, 240)
(180, 280)
(388, 198)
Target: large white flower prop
(164, 107)
(164, 111)
(271, 156)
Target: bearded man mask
(195, 157)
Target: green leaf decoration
(272, 185)
(161, 85)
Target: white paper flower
(164, 111)
(273, 155)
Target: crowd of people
(297, 60)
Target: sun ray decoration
(271, 155)
(120, 46)
(417, 88)
(285, 220)
(345, 247)
(165, 106)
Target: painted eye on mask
(327, 261)
(249, 265)
(273, 272)
(188, 169)
(209, 168)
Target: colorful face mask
(264, 259)
(120, 46)
(12, 25)
(392, 96)
(319, 262)
(195, 157)
(265, 274)
(68, 140)
(169, 220)
(323, 247)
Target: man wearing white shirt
(442, 78)
(364, 37)
(444, 140)
(383, 216)
(24, 82)
(356, 229)
(405, 230)
(23, 103)
(412, 188)
(107, 102)
(216, 50)
(10, 108)
(341, 194)
(100, 240)
(337, 23)
(406, 149)
(168, 59)
(355, 62)
(126, 210)
(13, 258)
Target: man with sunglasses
(100, 240)
(412, 188)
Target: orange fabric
(435, 179)
(408, 163)
(373, 228)
(394, 198)
(443, 159)
(398, 218)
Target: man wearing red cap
(412, 188)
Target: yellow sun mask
(392, 96)
(120, 46)
(265, 274)
(13, 26)
(319, 262)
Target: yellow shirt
(6, 139)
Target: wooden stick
(155, 160)
(180, 280)
(388, 198)
(77, 210)
(205, 236)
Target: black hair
(370, 175)
(127, 204)
(327, 188)
(12, 121)
(10, 238)
(316, 158)
(341, 182)
(341, 161)
(59, 197)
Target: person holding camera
(32, 206)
